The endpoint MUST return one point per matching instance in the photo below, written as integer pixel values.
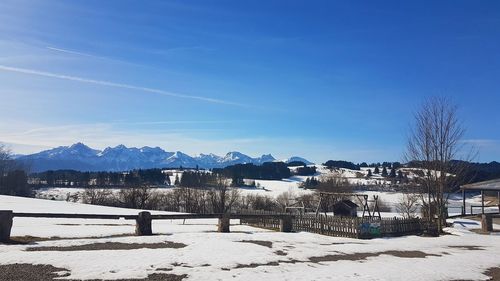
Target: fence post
(5, 225)
(286, 224)
(321, 226)
(224, 222)
(486, 223)
(143, 224)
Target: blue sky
(319, 79)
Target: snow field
(209, 255)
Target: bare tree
(434, 143)
(4, 160)
(222, 196)
(334, 183)
(13, 175)
(286, 199)
(97, 196)
(408, 204)
(135, 197)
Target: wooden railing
(144, 219)
(285, 222)
(346, 226)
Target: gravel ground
(111, 246)
(493, 273)
(31, 272)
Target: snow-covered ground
(207, 255)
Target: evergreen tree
(384, 172)
(369, 175)
(376, 171)
(176, 182)
(393, 173)
(307, 183)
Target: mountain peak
(298, 159)
(79, 146)
(121, 158)
(266, 158)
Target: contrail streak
(71, 52)
(113, 84)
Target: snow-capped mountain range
(121, 158)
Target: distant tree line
(305, 171)
(266, 171)
(341, 164)
(475, 172)
(196, 179)
(350, 165)
(72, 178)
(296, 163)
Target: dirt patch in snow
(364, 256)
(343, 243)
(111, 246)
(493, 273)
(32, 239)
(468, 247)
(267, 244)
(24, 240)
(31, 272)
(341, 257)
(254, 265)
(281, 253)
(95, 224)
(44, 272)
(155, 277)
(480, 231)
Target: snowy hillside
(106, 249)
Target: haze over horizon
(323, 80)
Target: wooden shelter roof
(491, 185)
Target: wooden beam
(73, 216)
(5, 225)
(224, 224)
(153, 217)
(143, 224)
(286, 224)
(482, 202)
(463, 201)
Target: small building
(491, 186)
(345, 208)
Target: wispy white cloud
(116, 85)
(481, 142)
(58, 128)
(71, 52)
(29, 138)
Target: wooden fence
(285, 222)
(345, 226)
(144, 219)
